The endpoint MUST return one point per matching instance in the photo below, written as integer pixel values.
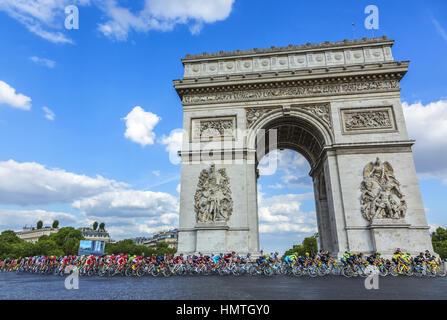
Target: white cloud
(276, 186)
(173, 144)
(178, 188)
(9, 96)
(131, 227)
(156, 173)
(283, 213)
(128, 203)
(140, 125)
(433, 227)
(29, 183)
(41, 17)
(428, 125)
(45, 18)
(48, 113)
(125, 211)
(16, 219)
(442, 32)
(43, 61)
(162, 15)
(141, 229)
(292, 165)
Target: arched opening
(286, 206)
(291, 149)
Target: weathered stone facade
(339, 105)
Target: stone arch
(313, 130)
(308, 135)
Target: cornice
(224, 83)
(291, 49)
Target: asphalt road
(30, 286)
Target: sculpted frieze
(368, 119)
(290, 92)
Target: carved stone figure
(368, 120)
(212, 201)
(381, 195)
(232, 95)
(253, 114)
(217, 128)
(322, 111)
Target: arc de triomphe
(336, 103)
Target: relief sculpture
(381, 194)
(212, 201)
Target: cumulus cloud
(137, 212)
(428, 125)
(43, 62)
(173, 144)
(9, 96)
(276, 186)
(48, 113)
(161, 15)
(127, 203)
(30, 183)
(283, 213)
(292, 166)
(131, 227)
(16, 219)
(141, 229)
(140, 125)
(45, 18)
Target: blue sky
(75, 163)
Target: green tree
(163, 248)
(439, 235)
(24, 249)
(95, 225)
(10, 244)
(308, 245)
(439, 241)
(48, 248)
(9, 237)
(55, 224)
(102, 226)
(67, 239)
(39, 224)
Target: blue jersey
(216, 258)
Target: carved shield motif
(381, 195)
(212, 201)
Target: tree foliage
(439, 240)
(127, 246)
(64, 242)
(308, 245)
(39, 224)
(55, 224)
(95, 225)
(67, 239)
